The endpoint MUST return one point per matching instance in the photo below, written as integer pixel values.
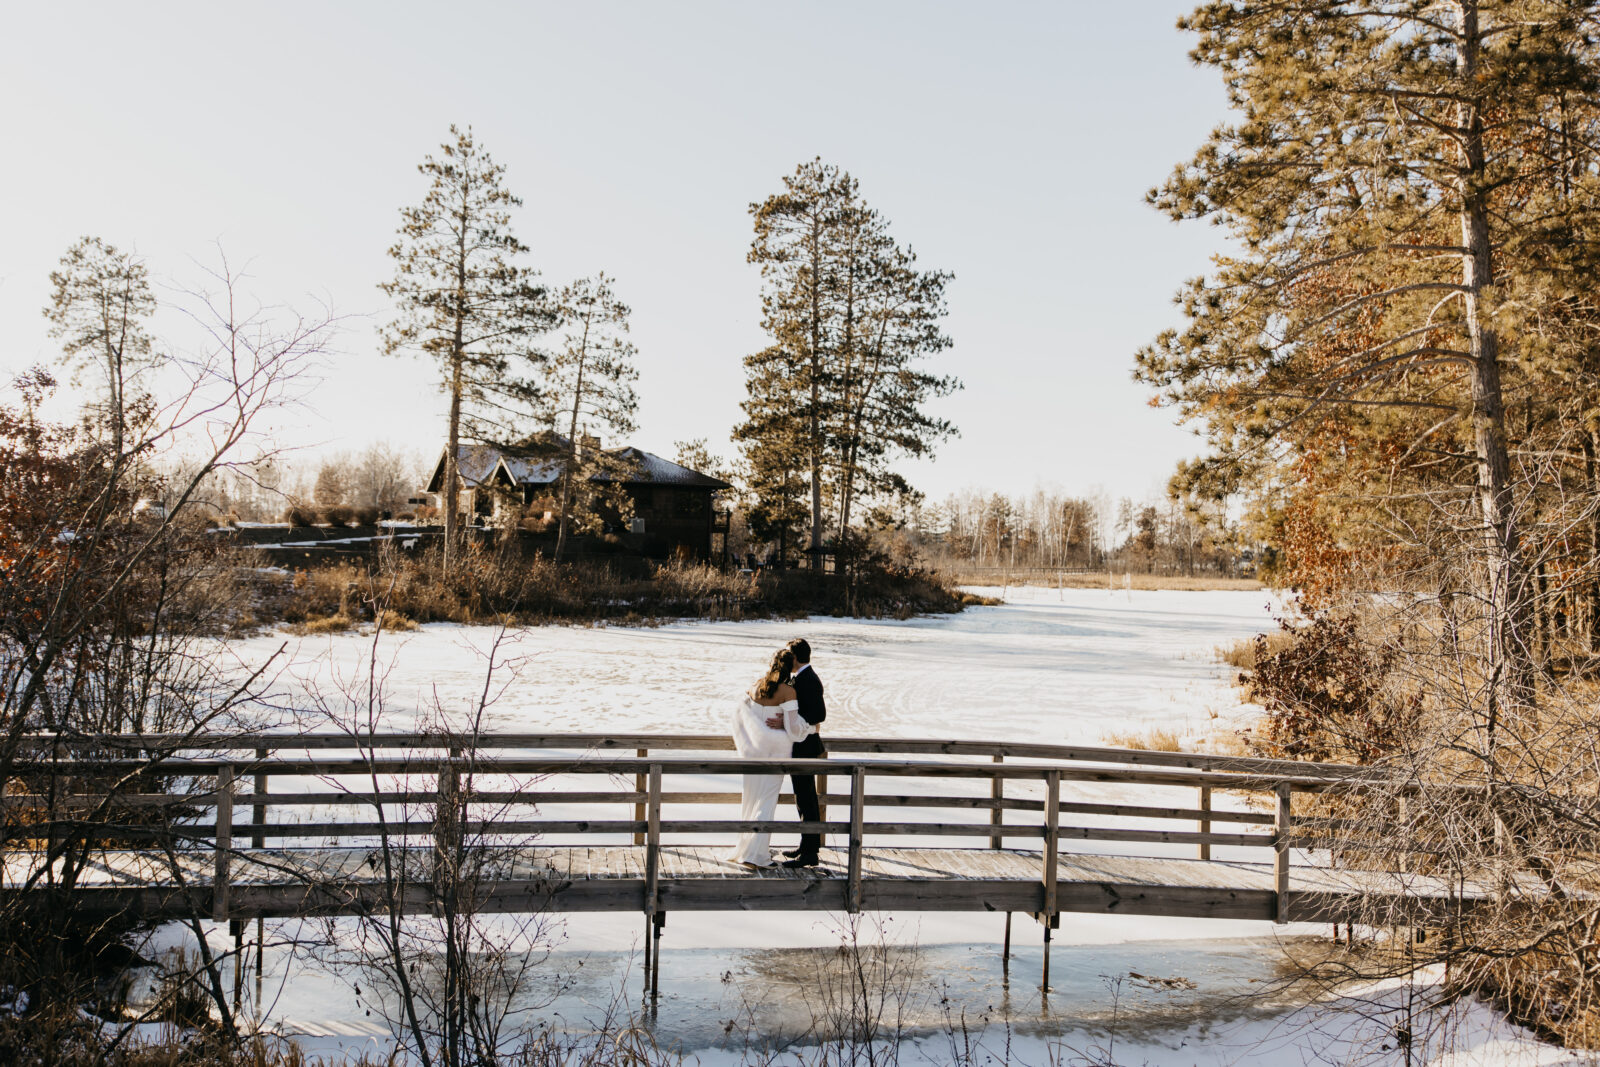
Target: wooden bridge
(267, 826)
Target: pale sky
(1010, 143)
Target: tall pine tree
(839, 393)
(1376, 181)
(591, 390)
(464, 299)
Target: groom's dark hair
(801, 649)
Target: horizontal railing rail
(326, 740)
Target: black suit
(808, 689)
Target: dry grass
(324, 624)
(1242, 653)
(1154, 739)
(1184, 583)
(394, 621)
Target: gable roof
(480, 465)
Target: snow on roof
(478, 465)
(652, 468)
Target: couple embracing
(778, 719)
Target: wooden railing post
(638, 806)
(224, 843)
(822, 807)
(1052, 840)
(652, 842)
(1281, 827)
(997, 792)
(1205, 823)
(858, 805)
(258, 815)
(652, 878)
(446, 826)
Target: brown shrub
(299, 515)
(366, 516)
(339, 515)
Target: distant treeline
(1046, 530)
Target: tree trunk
(452, 477)
(815, 428)
(1507, 592)
(572, 441)
(1590, 446)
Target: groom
(808, 688)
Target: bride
(754, 735)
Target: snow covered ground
(1069, 666)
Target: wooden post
(1280, 862)
(638, 807)
(258, 815)
(822, 808)
(997, 791)
(236, 928)
(1005, 949)
(1052, 837)
(658, 922)
(652, 868)
(444, 821)
(649, 934)
(652, 841)
(224, 839)
(1205, 824)
(858, 805)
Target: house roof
(487, 465)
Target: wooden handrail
(315, 741)
(630, 765)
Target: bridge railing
(451, 790)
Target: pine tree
(838, 395)
(591, 389)
(1378, 183)
(99, 302)
(464, 299)
(796, 245)
(882, 392)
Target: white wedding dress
(756, 740)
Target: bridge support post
(658, 923)
(236, 928)
(224, 841)
(1005, 949)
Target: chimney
(588, 445)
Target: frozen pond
(1067, 666)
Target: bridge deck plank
(699, 877)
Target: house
(673, 514)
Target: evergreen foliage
(839, 394)
(1412, 189)
(464, 299)
(100, 299)
(591, 389)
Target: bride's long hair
(778, 672)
